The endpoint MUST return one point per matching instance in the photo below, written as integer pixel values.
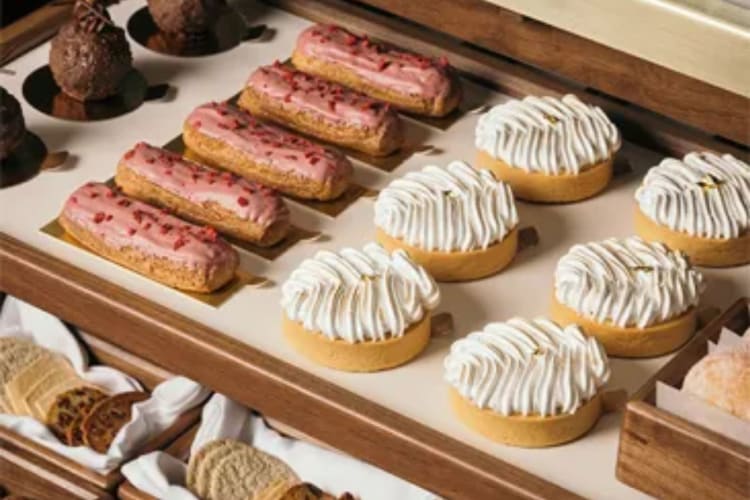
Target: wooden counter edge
(277, 389)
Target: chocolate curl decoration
(92, 15)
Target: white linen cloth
(168, 400)
(163, 476)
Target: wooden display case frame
(669, 457)
(33, 470)
(282, 391)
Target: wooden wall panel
(587, 62)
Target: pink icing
(198, 184)
(269, 145)
(122, 222)
(332, 102)
(385, 66)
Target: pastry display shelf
(400, 419)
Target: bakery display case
(242, 327)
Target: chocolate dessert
(12, 125)
(90, 55)
(185, 17)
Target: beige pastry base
(530, 431)
(549, 188)
(362, 356)
(711, 252)
(458, 266)
(631, 342)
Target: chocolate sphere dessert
(90, 55)
(184, 17)
(12, 125)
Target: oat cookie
(205, 462)
(247, 472)
(34, 377)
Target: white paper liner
(163, 476)
(699, 412)
(728, 341)
(168, 400)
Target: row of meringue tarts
(552, 150)
(525, 383)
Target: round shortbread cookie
(196, 461)
(6, 342)
(195, 464)
(10, 341)
(248, 473)
(43, 395)
(209, 461)
(16, 355)
(37, 375)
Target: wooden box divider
(47, 471)
(669, 457)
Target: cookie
(205, 461)
(15, 354)
(74, 433)
(68, 406)
(5, 406)
(46, 368)
(246, 472)
(9, 341)
(197, 461)
(40, 402)
(107, 417)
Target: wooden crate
(30, 469)
(670, 457)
